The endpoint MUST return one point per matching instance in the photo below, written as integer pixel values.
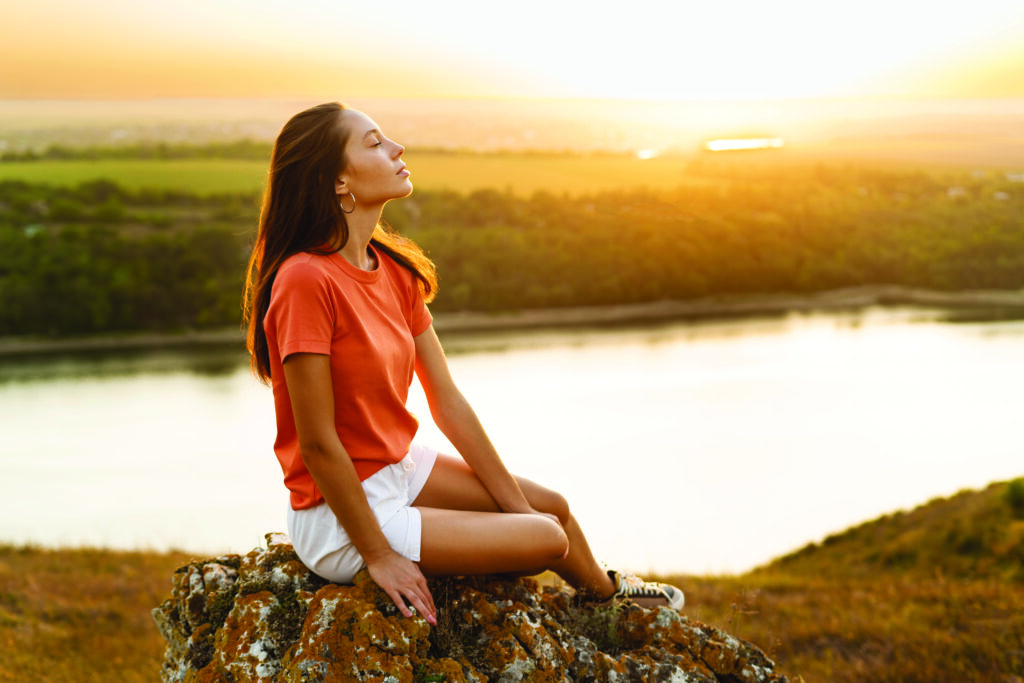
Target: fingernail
(431, 620)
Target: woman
(337, 317)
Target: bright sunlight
(648, 50)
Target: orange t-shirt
(365, 321)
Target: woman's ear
(341, 186)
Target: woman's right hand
(308, 376)
(405, 584)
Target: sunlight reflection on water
(698, 447)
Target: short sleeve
(419, 318)
(301, 316)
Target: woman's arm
(308, 376)
(455, 418)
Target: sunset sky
(652, 49)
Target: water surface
(689, 447)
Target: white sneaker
(645, 593)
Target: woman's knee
(553, 503)
(552, 543)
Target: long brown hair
(300, 212)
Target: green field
(202, 176)
(520, 173)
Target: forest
(99, 258)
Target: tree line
(99, 258)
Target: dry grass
(81, 615)
(841, 611)
(934, 594)
(887, 628)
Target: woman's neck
(361, 225)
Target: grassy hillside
(948, 609)
(931, 595)
(974, 534)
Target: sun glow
(726, 145)
(732, 49)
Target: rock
(265, 617)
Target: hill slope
(973, 534)
(932, 595)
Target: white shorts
(322, 543)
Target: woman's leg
(473, 542)
(452, 540)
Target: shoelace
(633, 585)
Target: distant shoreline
(1009, 302)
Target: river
(696, 447)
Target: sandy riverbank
(1008, 304)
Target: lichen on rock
(265, 617)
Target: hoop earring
(341, 203)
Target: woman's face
(375, 172)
